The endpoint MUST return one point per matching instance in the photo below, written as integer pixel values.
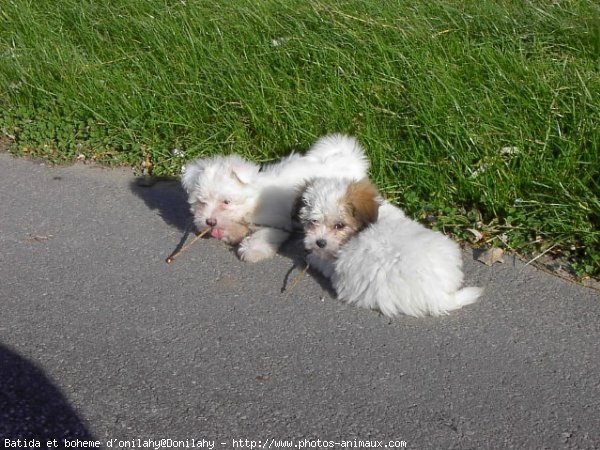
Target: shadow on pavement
(32, 407)
(293, 249)
(167, 197)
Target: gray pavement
(101, 339)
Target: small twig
(178, 251)
(297, 278)
(540, 255)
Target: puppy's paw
(254, 250)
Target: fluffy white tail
(467, 295)
(461, 298)
(334, 145)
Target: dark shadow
(476, 253)
(32, 407)
(165, 195)
(293, 249)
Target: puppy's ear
(190, 174)
(364, 201)
(244, 171)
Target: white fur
(394, 265)
(245, 204)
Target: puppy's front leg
(262, 244)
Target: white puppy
(377, 257)
(243, 203)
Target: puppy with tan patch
(375, 256)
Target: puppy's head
(222, 194)
(332, 211)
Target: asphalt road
(100, 339)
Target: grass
(477, 115)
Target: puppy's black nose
(211, 222)
(321, 243)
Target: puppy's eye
(339, 226)
(226, 202)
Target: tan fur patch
(236, 232)
(362, 202)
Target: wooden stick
(178, 251)
(297, 279)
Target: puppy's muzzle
(321, 243)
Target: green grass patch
(479, 115)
